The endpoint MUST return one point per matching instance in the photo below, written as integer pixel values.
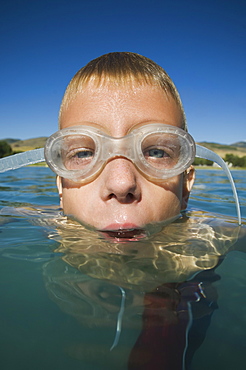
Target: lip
(123, 233)
(125, 226)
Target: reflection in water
(98, 306)
(141, 305)
(154, 298)
(167, 314)
(150, 301)
(175, 254)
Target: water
(64, 290)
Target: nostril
(128, 198)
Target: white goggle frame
(175, 142)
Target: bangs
(121, 68)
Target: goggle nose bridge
(119, 147)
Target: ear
(59, 188)
(188, 181)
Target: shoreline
(219, 168)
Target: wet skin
(121, 197)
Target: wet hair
(121, 68)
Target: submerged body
(109, 286)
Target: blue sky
(201, 44)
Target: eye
(157, 153)
(78, 158)
(85, 153)
(80, 154)
(160, 158)
(161, 151)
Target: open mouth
(124, 235)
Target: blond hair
(121, 68)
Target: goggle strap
(206, 153)
(15, 161)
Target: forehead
(116, 109)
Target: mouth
(123, 233)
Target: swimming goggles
(79, 153)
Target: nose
(121, 181)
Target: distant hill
(29, 144)
(11, 141)
(223, 149)
(240, 144)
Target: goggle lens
(161, 151)
(77, 151)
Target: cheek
(167, 198)
(73, 197)
(172, 188)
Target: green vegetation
(202, 162)
(230, 159)
(5, 149)
(235, 160)
(234, 155)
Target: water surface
(64, 289)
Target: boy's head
(116, 93)
(121, 69)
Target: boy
(123, 155)
(116, 93)
(123, 158)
